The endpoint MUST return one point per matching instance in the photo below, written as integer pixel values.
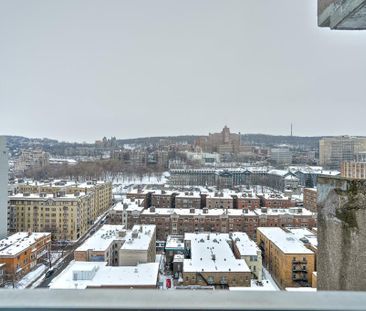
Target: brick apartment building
(21, 252)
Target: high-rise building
(334, 150)
(281, 155)
(3, 188)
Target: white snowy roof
(210, 252)
(145, 234)
(127, 205)
(189, 194)
(19, 242)
(197, 212)
(246, 246)
(81, 275)
(278, 172)
(46, 196)
(59, 183)
(174, 242)
(286, 242)
(316, 170)
(275, 196)
(284, 211)
(102, 239)
(220, 195)
(303, 233)
(162, 192)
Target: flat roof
(128, 205)
(246, 246)
(82, 274)
(46, 196)
(61, 183)
(287, 242)
(197, 212)
(299, 211)
(19, 242)
(210, 252)
(174, 242)
(144, 235)
(303, 233)
(102, 239)
(189, 194)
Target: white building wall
(3, 188)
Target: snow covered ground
(128, 180)
(29, 278)
(55, 256)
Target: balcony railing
(117, 299)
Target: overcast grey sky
(79, 70)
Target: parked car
(49, 273)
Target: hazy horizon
(78, 70)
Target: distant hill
(272, 140)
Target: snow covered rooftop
(211, 252)
(287, 242)
(128, 205)
(275, 196)
(246, 246)
(316, 170)
(284, 211)
(102, 239)
(81, 275)
(220, 195)
(60, 183)
(174, 242)
(189, 194)
(305, 235)
(197, 212)
(46, 196)
(19, 242)
(139, 238)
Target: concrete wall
(341, 234)
(3, 188)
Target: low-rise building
(178, 221)
(247, 200)
(139, 246)
(84, 275)
(276, 200)
(103, 246)
(219, 200)
(122, 211)
(141, 194)
(310, 199)
(174, 245)
(188, 200)
(163, 199)
(212, 262)
(247, 249)
(288, 260)
(22, 251)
